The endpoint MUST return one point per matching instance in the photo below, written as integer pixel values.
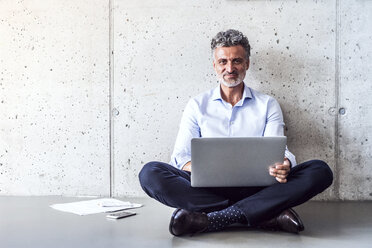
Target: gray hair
(230, 38)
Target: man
(232, 109)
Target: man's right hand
(187, 166)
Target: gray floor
(30, 222)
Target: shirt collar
(216, 95)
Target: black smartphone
(119, 215)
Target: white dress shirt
(208, 115)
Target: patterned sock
(219, 220)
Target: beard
(231, 84)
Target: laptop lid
(235, 161)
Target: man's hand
(280, 171)
(187, 166)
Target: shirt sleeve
(188, 129)
(275, 126)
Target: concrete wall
(313, 56)
(355, 91)
(54, 95)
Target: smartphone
(119, 215)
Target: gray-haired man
(232, 110)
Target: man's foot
(185, 222)
(288, 221)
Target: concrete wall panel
(54, 98)
(54, 86)
(162, 58)
(355, 126)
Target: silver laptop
(235, 162)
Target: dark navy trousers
(172, 187)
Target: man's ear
(247, 64)
(214, 59)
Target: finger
(287, 165)
(272, 169)
(278, 166)
(272, 173)
(281, 176)
(282, 172)
(282, 167)
(280, 180)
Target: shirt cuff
(291, 158)
(179, 162)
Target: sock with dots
(219, 220)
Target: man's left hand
(280, 171)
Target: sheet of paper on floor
(95, 206)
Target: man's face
(230, 65)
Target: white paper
(103, 205)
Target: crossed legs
(172, 187)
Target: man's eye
(222, 62)
(238, 61)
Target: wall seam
(111, 96)
(337, 101)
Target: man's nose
(229, 67)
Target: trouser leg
(304, 182)
(172, 187)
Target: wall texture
(355, 90)
(54, 114)
(312, 56)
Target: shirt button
(231, 122)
